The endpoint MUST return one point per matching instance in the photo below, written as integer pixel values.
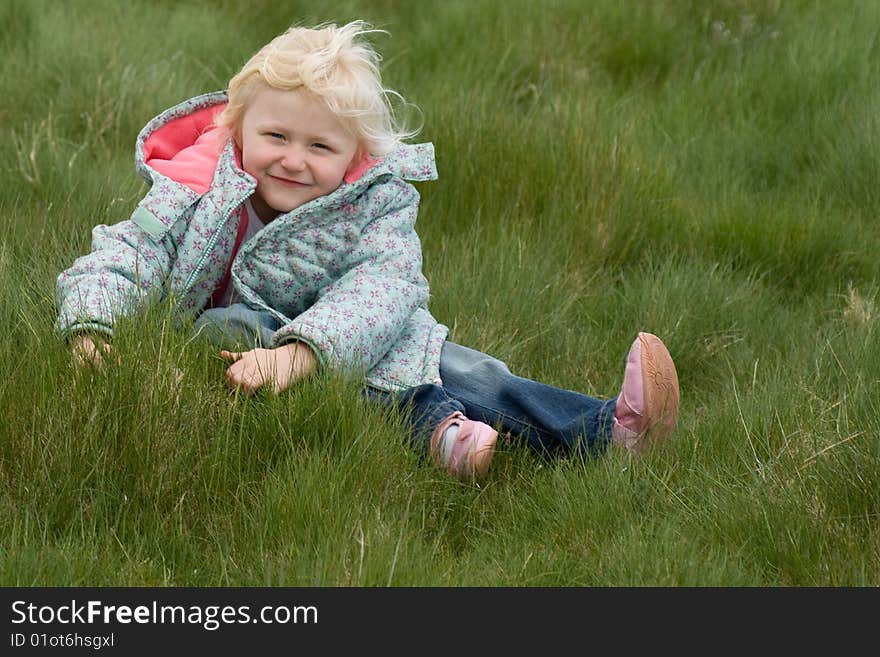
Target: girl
(280, 218)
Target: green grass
(705, 170)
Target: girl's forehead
(291, 106)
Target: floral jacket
(342, 273)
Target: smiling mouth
(287, 182)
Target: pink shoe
(647, 407)
(466, 455)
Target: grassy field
(706, 170)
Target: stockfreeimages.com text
(211, 617)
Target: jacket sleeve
(125, 266)
(357, 318)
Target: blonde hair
(334, 64)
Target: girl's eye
(320, 146)
(275, 135)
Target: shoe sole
(660, 383)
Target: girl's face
(295, 148)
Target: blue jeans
(552, 421)
(236, 326)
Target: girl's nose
(294, 158)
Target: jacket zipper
(208, 248)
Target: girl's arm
(125, 267)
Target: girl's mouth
(287, 182)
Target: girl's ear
(235, 132)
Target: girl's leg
(551, 420)
(424, 408)
(236, 326)
(457, 444)
(559, 421)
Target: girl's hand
(279, 368)
(88, 350)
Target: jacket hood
(184, 145)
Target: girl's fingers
(234, 376)
(231, 356)
(91, 352)
(245, 379)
